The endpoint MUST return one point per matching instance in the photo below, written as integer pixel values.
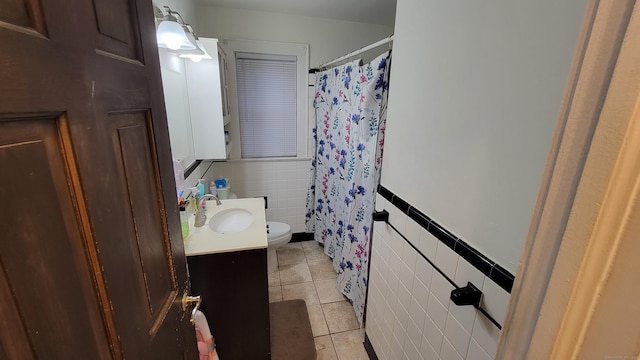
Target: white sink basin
(231, 221)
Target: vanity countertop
(203, 240)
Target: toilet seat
(278, 232)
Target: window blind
(267, 104)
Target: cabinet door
(205, 94)
(235, 293)
(226, 86)
(222, 66)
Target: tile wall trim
(490, 268)
(368, 347)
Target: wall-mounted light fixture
(173, 33)
(176, 35)
(194, 55)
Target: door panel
(45, 310)
(115, 21)
(142, 193)
(26, 14)
(92, 262)
(133, 151)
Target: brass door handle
(188, 300)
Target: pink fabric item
(206, 345)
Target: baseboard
(301, 236)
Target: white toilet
(278, 234)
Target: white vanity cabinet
(209, 102)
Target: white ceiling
(382, 12)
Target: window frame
(301, 51)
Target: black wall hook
(381, 216)
(468, 295)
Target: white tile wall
(457, 335)
(413, 232)
(428, 244)
(448, 352)
(432, 334)
(284, 182)
(495, 300)
(414, 333)
(427, 351)
(410, 351)
(421, 295)
(437, 312)
(409, 314)
(446, 259)
(476, 352)
(486, 334)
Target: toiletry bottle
(195, 196)
(201, 187)
(202, 193)
(184, 219)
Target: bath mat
(291, 336)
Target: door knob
(188, 300)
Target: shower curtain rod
(360, 51)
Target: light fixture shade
(198, 54)
(193, 40)
(172, 35)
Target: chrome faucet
(201, 217)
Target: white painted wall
(328, 39)
(186, 8)
(475, 91)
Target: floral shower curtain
(350, 103)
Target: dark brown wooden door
(92, 264)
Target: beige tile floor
(305, 272)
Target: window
(267, 104)
(272, 96)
